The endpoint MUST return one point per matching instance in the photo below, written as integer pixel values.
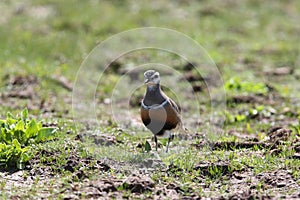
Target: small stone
(107, 101)
(281, 184)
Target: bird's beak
(147, 81)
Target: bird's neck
(154, 95)
(153, 88)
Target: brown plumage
(159, 113)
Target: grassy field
(256, 154)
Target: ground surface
(255, 45)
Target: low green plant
(235, 84)
(147, 146)
(296, 128)
(17, 136)
(251, 113)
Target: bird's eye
(156, 76)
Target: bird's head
(151, 77)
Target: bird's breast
(164, 118)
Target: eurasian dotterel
(159, 113)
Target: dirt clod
(138, 184)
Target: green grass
(247, 40)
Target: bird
(159, 113)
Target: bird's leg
(155, 139)
(171, 137)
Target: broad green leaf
(10, 122)
(1, 135)
(2, 147)
(20, 126)
(2, 122)
(26, 155)
(9, 116)
(45, 134)
(16, 144)
(39, 125)
(20, 136)
(24, 114)
(32, 129)
(147, 146)
(6, 136)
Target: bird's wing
(178, 110)
(174, 105)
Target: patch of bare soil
(246, 99)
(20, 86)
(276, 138)
(205, 167)
(267, 99)
(99, 139)
(45, 168)
(280, 71)
(63, 82)
(44, 163)
(270, 185)
(24, 91)
(243, 183)
(139, 187)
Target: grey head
(151, 77)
